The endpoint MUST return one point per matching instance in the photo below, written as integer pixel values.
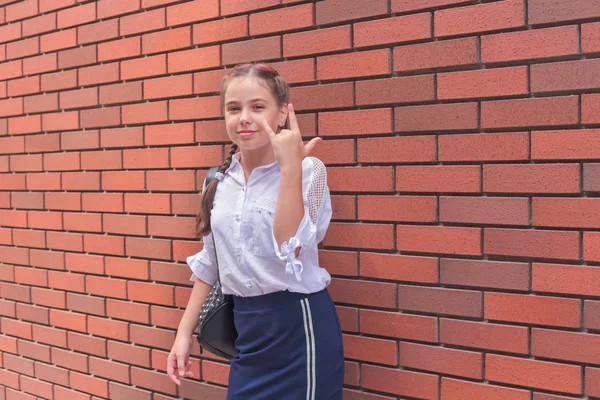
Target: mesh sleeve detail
(316, 190)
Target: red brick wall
(463, 144)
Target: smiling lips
(246, 133)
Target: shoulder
(314, 172)
(314, 166)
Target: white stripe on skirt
(310, 350)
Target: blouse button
(249, 284)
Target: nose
(245, 117)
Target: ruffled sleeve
(312, 228)
(203, 263)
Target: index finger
(268, 128)
(292, 118)
(174, 378)
(171, 367)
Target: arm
(289, 151)
(192, 310)
(313, 220)
(204, 270)
(289, 210)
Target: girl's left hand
(288, 146)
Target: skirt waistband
(271, 300)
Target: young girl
(268, 208)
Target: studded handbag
(216, 328)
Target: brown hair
(279, 88)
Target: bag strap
(216, 257)
(210, 175)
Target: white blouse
(250, 262)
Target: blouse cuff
(293, 266)
(287, 251)
(199, 264)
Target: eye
(259, 106)
(232, 109)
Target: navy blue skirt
(290, 347)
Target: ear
(283, 114)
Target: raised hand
(288, 146)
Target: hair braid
(203, 226)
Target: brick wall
(462, 140)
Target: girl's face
(247, 103)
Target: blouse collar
(236, 165)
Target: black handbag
(216, 328)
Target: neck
(255, 158)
